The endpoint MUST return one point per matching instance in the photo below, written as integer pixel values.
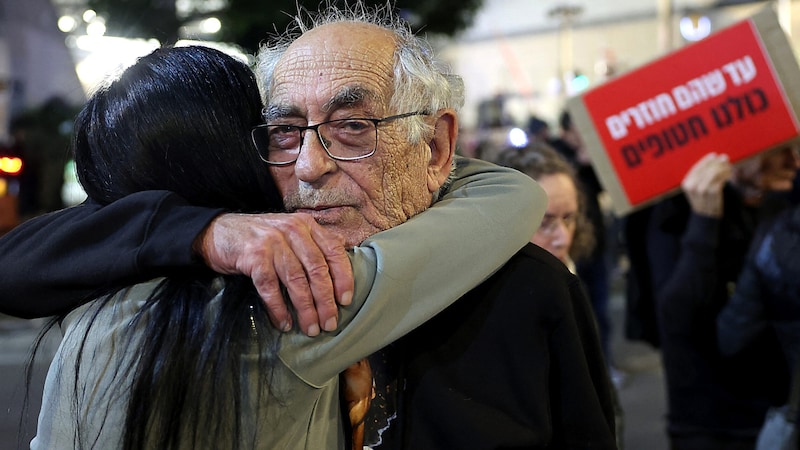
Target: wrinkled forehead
(335, 65)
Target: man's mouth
(310, 209)
(325, 214)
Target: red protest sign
(723, 94)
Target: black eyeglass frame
(315, 127)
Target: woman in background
(565, 231)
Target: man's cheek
(286, 184)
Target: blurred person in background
(42, 135)
(767, 294)
(641, 322)
(595, 268)
(538, 129)
(696, 244)
(49, 140)
(565, 230)
(19, 129)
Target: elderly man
(360, 133)
(474, 376)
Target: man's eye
(283, 137)
(353, 126)
(281, 129)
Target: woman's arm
(407, 274)
(53, 263)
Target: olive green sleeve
(407, 274)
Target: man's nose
(313, 161)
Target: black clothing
(767, 296)
(533, 320)
(694, 263)
(152, 243)
(641, 322)
(593, 269)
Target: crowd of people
(293, 255)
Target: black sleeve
(682, 248)
(57, 261)
(586, 398)
(744, 317)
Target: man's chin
(344, 221)
(353, 235)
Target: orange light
(10, 165)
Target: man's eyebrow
(349, 96)
(275, 111)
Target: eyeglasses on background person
(343, 139)
(550, 223)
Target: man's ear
(443, 148)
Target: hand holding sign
(704, 182)
(737, 91)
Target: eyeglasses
(342, 139)
(550, 223)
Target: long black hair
(179, 120)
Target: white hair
(421, 83)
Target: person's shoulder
(535, 266)
(534, 283)
(532, 254)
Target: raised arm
(424, 265)
(683, 263)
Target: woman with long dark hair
(190, 360)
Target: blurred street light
(566, 15)
(695, 26)
(67, 24)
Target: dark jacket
(519, 355)
(694, 262)
(767, 295)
